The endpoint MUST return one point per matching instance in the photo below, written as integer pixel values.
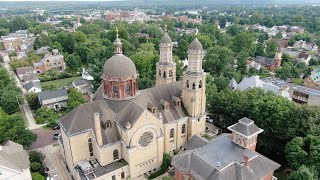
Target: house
(125, 131)
(85, 75)
(14, 162)
(26, 73)
(53, 60)
(256, 82)
(270, 63)
(296, 29)
(313, 81)
(33, 86)
(42, 50)
(55, 99)
(304, 57)
(230, 156)
(81, 85)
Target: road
(54, 161)
(31, 123)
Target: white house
(33, 86)
(14, 162)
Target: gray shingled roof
(166, 39)
(80, 82)
(222, 159)
(126, 111)
(195, 142)
(13, 156)
(195, 45)
(23, 70)
(32, 84)
(119, 65)
(246, 127)
(264, 60)
(52, 94)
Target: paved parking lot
(54, 161)
(44, 137)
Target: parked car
(57, 127)
(56, 136)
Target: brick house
(53, 60)
(226, 157)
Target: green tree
(41, 41)
(74, 99)
(33, 102)
(73, 62)
(235, 29)
(45, 115)
(287, 70)
(217, 59)
(4, 32)
(244, 41)
(36, 156)
(35, 166)
(303, 173)
(271, 49)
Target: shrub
(35, 166)
(37, 176)
(36, 156)
(163, 168)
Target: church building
(124, 132)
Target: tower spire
(117, 43)
(117, 31)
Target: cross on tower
(165, 28)
(117, 31)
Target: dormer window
(165, 104)
(177, 101)
(152, 108)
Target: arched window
(115, 91)
(128, 90)
(159, 72)
(115, 154)
(171, 133)
(200, 84)
(90, 147)
(164, 74)
(170, 73)
(183, 129)
(193, 85)
(187, 84)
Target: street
(31, 123)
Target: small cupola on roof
(119, 75)
(245, 133)
(166, 38)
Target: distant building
(53, 99)
(167, 16)
(142, 35)
(256, 82)
(85, 75)
(14, 162)
(296, 29)
(304, 57)
(53, 60)
(33, 86)
(81, 85)
(313, 81)
(226, 157)
(26, 73)
(14, 41)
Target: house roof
(303, 55)
(23, 70)
(52, 94)
(226, 163)
(126, 111)
(80, 82)
(246, 127)
(32, 84)
(30, 77)
(265, 61)
(13, 156)
(195, 142)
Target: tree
(46, 115)
(36, 156)
(235, 29)
(244, 41)
(271, 49)
(4, 32)
(217, 59)
(278, 35)
(287, 70)
(73, 62)
(303, 173)
(35, 166)
(74, 99)
(41, 41)
(33, 102)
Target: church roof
(195, 45)
(166, 39)
(126, 111)
(119, 65)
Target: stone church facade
(124, 132)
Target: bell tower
(194, 88)
(166, 68)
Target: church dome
(119, 65)
(195, 45)
(165, 39)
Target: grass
(59, 83)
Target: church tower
(166, 68)
(194, 88)
(277, 58)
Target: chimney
(97, 126)
(246, 160)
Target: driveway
(54, 161)
(44, 137)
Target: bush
(45, 115)
(37, 176)
(36, 156)
(164, 166)
(35, 166)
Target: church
(124, 132)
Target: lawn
(60, 82)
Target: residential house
(42, 50)
(229, 156)
(256, 82)
(14, 162)
(53, 60)
(85, 75)
(82, 85)
(313, 81)
(55, 99)
(33, 86)
(26, 73)
(296, 29)
(304, 57)
(142, 35)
